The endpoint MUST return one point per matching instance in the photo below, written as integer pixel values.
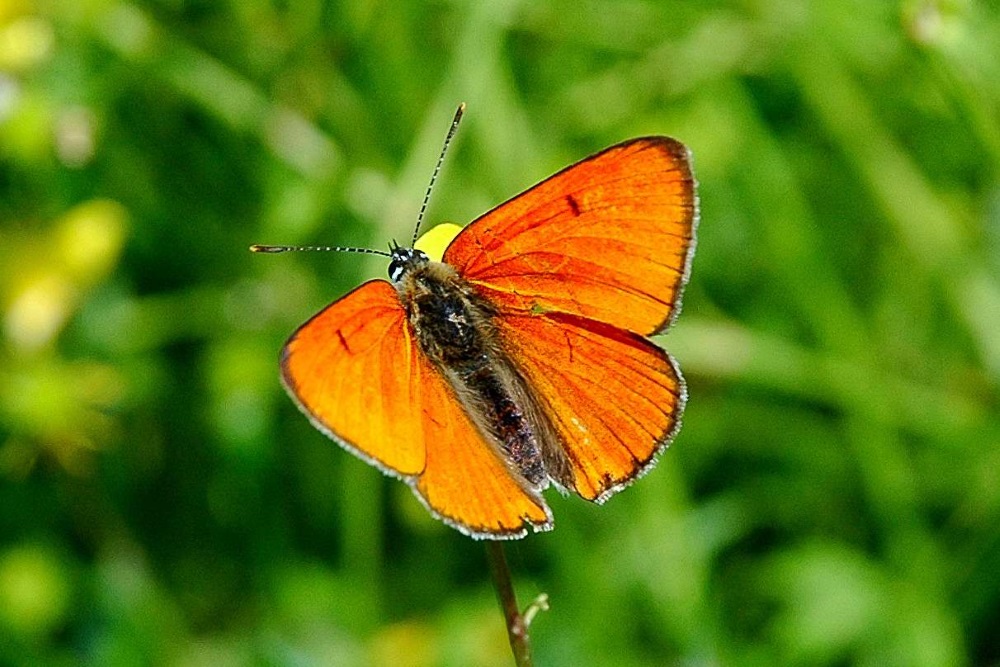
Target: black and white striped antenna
(437, 169)
(316, 248)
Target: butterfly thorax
(453, 327)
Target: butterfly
(522, 360)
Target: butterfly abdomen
(452, 327)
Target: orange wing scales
(614, 398)
(610, 239)
(355, 370)
(342, 367)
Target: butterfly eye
(404, 259)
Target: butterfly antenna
(312, 248)
(437, 168)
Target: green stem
(517, 625)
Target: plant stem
(517, 627)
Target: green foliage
(833, 497)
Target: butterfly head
(404, 260)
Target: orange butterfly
(522, 359)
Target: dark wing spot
(573, 204)
(343, 341)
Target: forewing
(356, 371)
(609, 238)
(614, 398)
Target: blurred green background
(833, 497)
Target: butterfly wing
(609, 238)
(579, 269)
(356, 372)
(614, 397)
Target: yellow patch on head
(436, 240)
